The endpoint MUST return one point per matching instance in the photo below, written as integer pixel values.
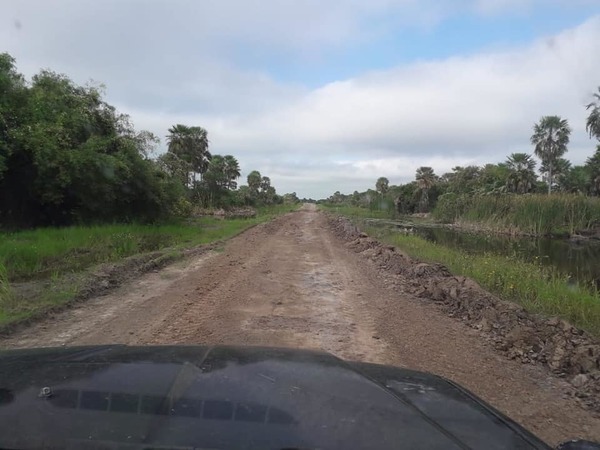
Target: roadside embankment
(514, 330)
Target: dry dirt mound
(566, 350)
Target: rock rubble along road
(293, 282)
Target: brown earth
(306, 280)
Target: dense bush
(67, 156)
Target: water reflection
(578, 260)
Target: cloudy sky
(328, 95)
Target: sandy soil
(292, 282)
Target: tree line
(67, 156)
(516, 175)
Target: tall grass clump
(5, 291)
(44, 252)
(360, 212)
(534, 214)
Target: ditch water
(580, 260)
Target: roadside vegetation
(80, 186)
(45, 268)
(535, 214)
(538, 288)
(47, 252)
(520, 195)
(67, 157)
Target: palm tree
(177, 144)
(560, 170)
(198, 150)
(592, 125)
(426, 179)
(550, 137)
(254, 179)
(592, 164)
(382, 185)
(265, 183)
(191, 145)
(522, 173)
(176, 140)
(232, 171)
(215, 177)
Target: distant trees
(426, 179)
(592, 124)
(462, 180)
(521, 178)
(516, 176)
(67, 156)
(550, 138)
(290, 198)
(592, 165)
(231, 170)
(190, 144)
(259, 191)
(382, 185)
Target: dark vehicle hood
(235, 397)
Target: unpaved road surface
(292, 282)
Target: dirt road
(292, 282)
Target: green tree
(592, 124)
(576, 180)
(463, 180)
(592, 164)
(550, 138)
(382, 185)
(560, 171)
(244, 195)
(405, 198)
(493, 177)
(521, 178)
(426, 179)
(13, 98)
(290, 198)
(174, 166)
(216, 176)
(232, 171)
(254, 179)
(191, 145)
(68, 156)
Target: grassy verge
(539, 289)
(45, 268)
(355, 212)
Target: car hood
(235, 397)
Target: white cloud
(478, 108)
(179, 62)
(493, 7)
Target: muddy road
(292, 282)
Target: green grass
(537, 214)
(5, 290)
(539, 289)
(46, 252)
(358, 212)
(48, 265)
